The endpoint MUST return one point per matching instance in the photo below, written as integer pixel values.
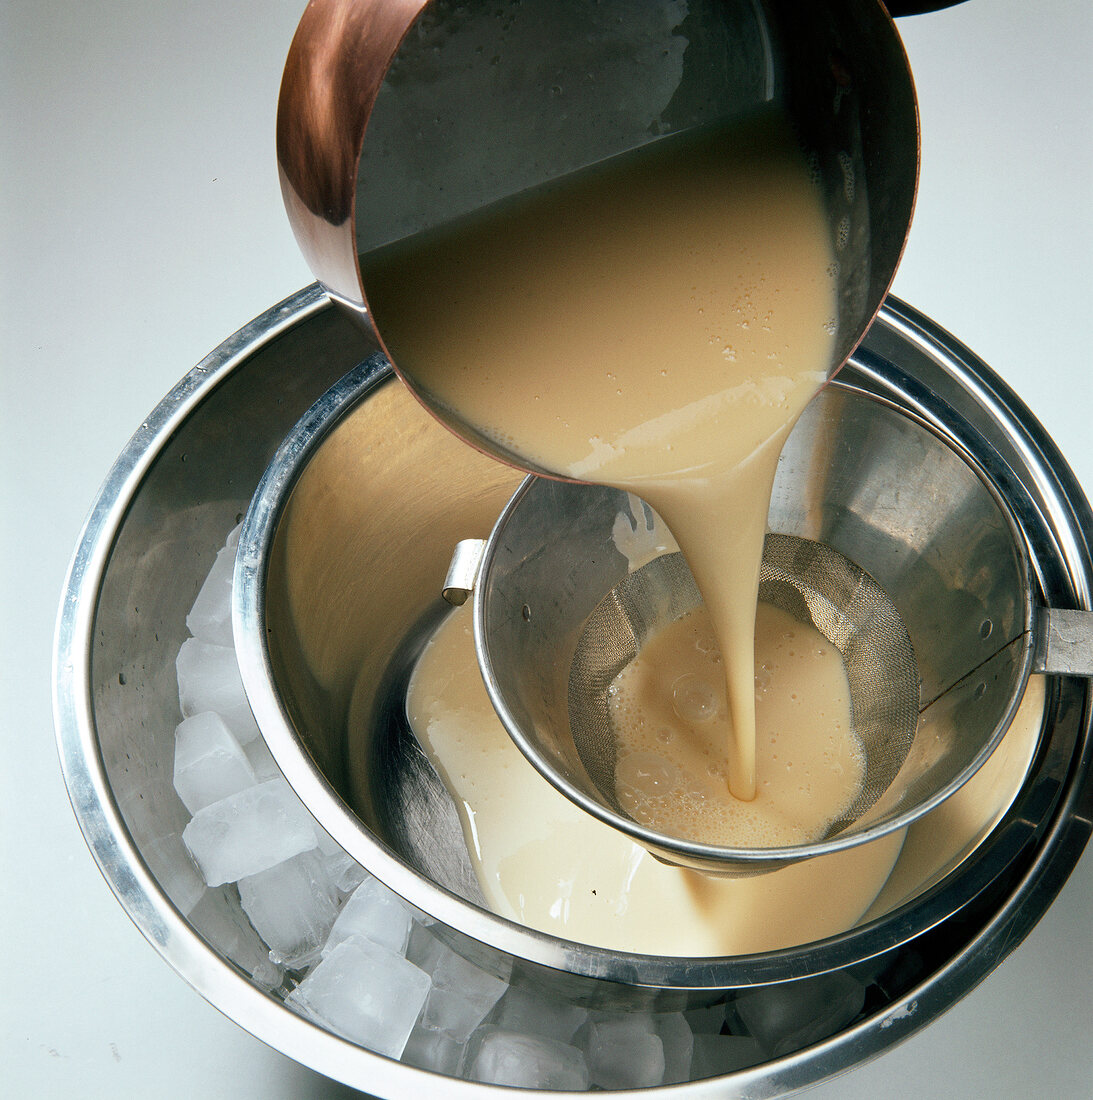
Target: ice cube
(208, 679)
(374, 913)
(209, 763)
(424, 949)
(715, 1055)
(345, 871)
(706, 1020)
(210, 618)
(499, 1057)
(433, 1050)
(678, 1040)
(219, 920)
(792, 1015)
(261, 759)
(249, 832)
(327, 844)
(365, 993)
(292, 907)
(170, 862)
(622, 1052)
(462, 996)
(533, 1013)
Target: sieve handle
(463, 571)
(1064, 642)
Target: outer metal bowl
(189, 473)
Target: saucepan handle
(463, 571)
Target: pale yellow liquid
(548, 865)
(656, 324)
(670, 717)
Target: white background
(142, 224)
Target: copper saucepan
(399, 115)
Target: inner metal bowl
(317, 631)
(184, 481)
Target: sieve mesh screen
(810, 581)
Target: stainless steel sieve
(904, 555)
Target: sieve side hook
(1064, 642)
(462, 573)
